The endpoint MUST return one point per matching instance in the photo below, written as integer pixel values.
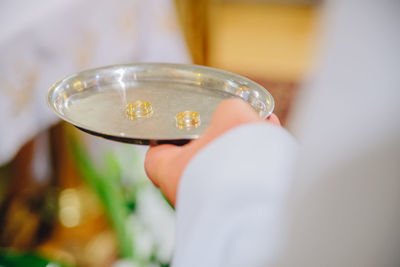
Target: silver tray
(97, 100)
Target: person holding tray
(249, 193)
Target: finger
(274, 119)
(229, 114)
(157, 158)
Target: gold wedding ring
(138, 109)
(187, 120)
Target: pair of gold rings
(188, 119)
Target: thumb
(274, 120)
(229, 114)
(157, 159)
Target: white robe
(42, 41)
(255, 198)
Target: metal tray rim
(141, 140)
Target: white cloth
(42, 41)
(249, 199)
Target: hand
(164, 164)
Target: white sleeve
(230, 196)
(241, 203)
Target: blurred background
(69, 199)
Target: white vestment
(255, 198)
(42, 41)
